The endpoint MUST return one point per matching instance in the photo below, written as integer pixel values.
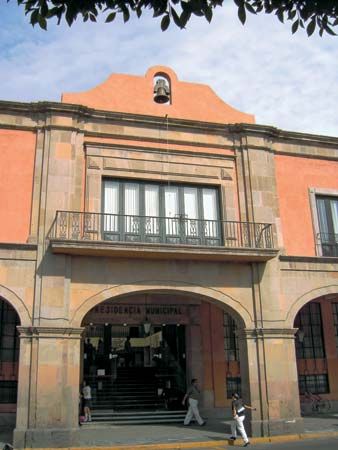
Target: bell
(161, 91)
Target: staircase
(131, 399)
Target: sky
(287, 81)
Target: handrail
(327, 244)
(91, 226)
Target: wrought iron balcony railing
(328, 244)
(87, 226)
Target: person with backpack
(238, 408)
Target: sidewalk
(151, 437)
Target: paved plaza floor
(93, 435)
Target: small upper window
(327, 208)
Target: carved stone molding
(38, 332)
(267, 333)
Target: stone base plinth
(45, 438)
(276, 427)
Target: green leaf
(186, 6)
(185, 16)
(158, 13)
(208, 14)
(242, 14)
(259, 7)
(110, 4)
(139, 12)
(268, 8)
(280, 15)
(329, 30)
(126, 15)
(110, 17)
(295, 26)
(44, 9)
(311, 27)
(165, 22)
(292, 14)
(250, 8)
(69, 17)
(42, 23)
(35, 17)
(92, 17)
(176, 17)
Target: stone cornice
(271, 132)
(267, 333)
(161, 150)
(17, 246)
(309, 259)
(86, 113)
(50, 332)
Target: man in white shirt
(87, 401)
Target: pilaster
(270, 374)
(48, 392)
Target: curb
(205, 444)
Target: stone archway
(9, 360)
(205, 337)
(211, 295)
(305, 298)
(316, 348)
(15, 301)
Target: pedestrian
(128, 352)
(87, 401)
(238, 412)
(193, 394)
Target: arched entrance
(317, 354)
(9, 357)
(141, 350)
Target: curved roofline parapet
(134, 94)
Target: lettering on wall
(136, 313)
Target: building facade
(147, 208)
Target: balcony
(327, 244)
(86, 233)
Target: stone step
(110, 417)
(128, 406)
(164, 412)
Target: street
(305, 444)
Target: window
(9, 339)
(233, 385)
(316, 384)
(152, 212)
(230, 339)
(311, 343)
(335, 321)
(327, 208)
(8, 391)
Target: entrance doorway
(135, 367)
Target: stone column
(48, 388)
(269, 380)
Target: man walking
(238, 412)
(193, 394)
